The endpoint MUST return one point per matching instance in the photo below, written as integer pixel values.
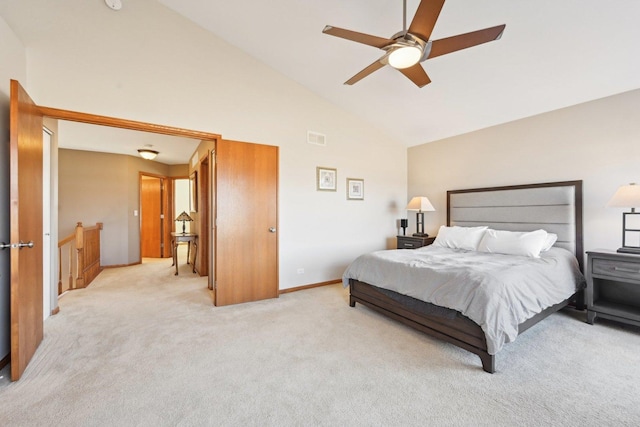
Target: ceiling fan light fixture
(405, 57)
(148, 154)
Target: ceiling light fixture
(147, 153)
(113, 4)
(405, 57)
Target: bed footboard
(459, 331)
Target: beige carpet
(141, 347)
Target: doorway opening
(168, 206)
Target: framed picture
(326, 179)
(193, 192)
(355, 189)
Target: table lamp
(420, 204)
(184, 217)
(628, 196)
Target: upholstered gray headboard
(555, 207)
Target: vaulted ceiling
(553, 54)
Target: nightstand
(413, 242)
(613, 287)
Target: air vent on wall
(316, 138)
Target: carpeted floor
(142, 347)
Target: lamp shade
(184, 217)
(421, 204)
(627, 196)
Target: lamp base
(628, 250)
(420, 235)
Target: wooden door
(150, 216)
(26, 227)
(168, 219)
(213, 199)
(203, 206)
(246, 238)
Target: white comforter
(498, 292)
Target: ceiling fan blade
(463, 41)
(370, 69)
(355, 36)
(416, 74)
(425, 18)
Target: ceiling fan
(406, 49)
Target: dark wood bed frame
(462, 331)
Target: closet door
(150, 216)
(246, 237)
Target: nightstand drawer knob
(408, 245)
(627, 270)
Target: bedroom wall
(101, 187)
(597, 142)
(188, 78)
(14, 66)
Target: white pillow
(549, 241)
(513, 242)
(459, 237)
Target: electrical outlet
(300, 271)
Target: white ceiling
(79, 136)
(553, 54)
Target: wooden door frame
(204, 215)
(94, 119)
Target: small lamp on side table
(404, 223)
(184, 217)
(628, 196)
(420, 204)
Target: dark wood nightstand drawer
(414, 242)
(613, 287)
(615, 268)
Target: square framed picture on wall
(355, 189)
(326, 179)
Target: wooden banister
(86, 241)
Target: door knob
(17, 245)
(272, 229)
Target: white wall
(181, 201)
(147, 63)
(13, 60)
(597, 142)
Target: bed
(555, 207)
